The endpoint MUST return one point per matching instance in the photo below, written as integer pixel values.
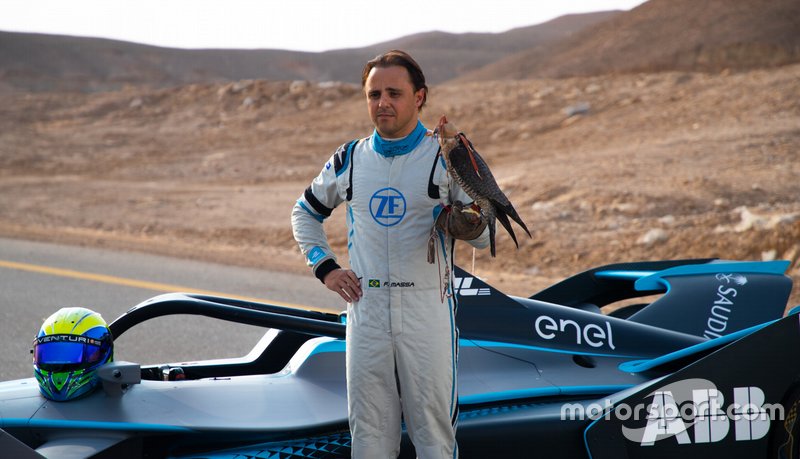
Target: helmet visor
(68, 352)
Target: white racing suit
(402, 341)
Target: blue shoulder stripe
(318, 217)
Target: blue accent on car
(88, 425)
(624, 275)
(637, 366)
(339, 346)
(329, 346)
(478, 343)
(585, 440)
(317, 216)
(494, 410)
(656, 281)
(536, 392)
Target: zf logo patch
(387, 206)
(374, 283)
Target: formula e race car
(703, 369)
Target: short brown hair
(402, 59)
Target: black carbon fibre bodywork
(536, 374)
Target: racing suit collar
(389, 148)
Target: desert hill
(38, 62)
(659, 35)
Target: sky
(301, 25)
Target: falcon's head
(450, 138)
(447, 134)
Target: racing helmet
(69, 348)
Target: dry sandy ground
(603, 169)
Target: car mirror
(117, 377)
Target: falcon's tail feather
(507, 225)
(509, 210)
(513, 214)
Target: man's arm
(308, 215)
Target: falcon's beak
(439, 127)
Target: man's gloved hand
(460, 222)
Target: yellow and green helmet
(69, 348)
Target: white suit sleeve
(311, 210)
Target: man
(401, 334)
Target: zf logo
(387, 206)
(462, 286)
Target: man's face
(392, 102)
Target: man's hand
(345, 283)
(461, 223)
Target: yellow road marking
(156, 286)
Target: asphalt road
(36, 279)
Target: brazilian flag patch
(374, 283)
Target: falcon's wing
(483, 185)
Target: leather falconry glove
(465, 223)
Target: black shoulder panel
(340, 158)
(350, 159)
(433, 189)
(318, 206)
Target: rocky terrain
(604, 169)
(608, 167)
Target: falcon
(472, 173)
